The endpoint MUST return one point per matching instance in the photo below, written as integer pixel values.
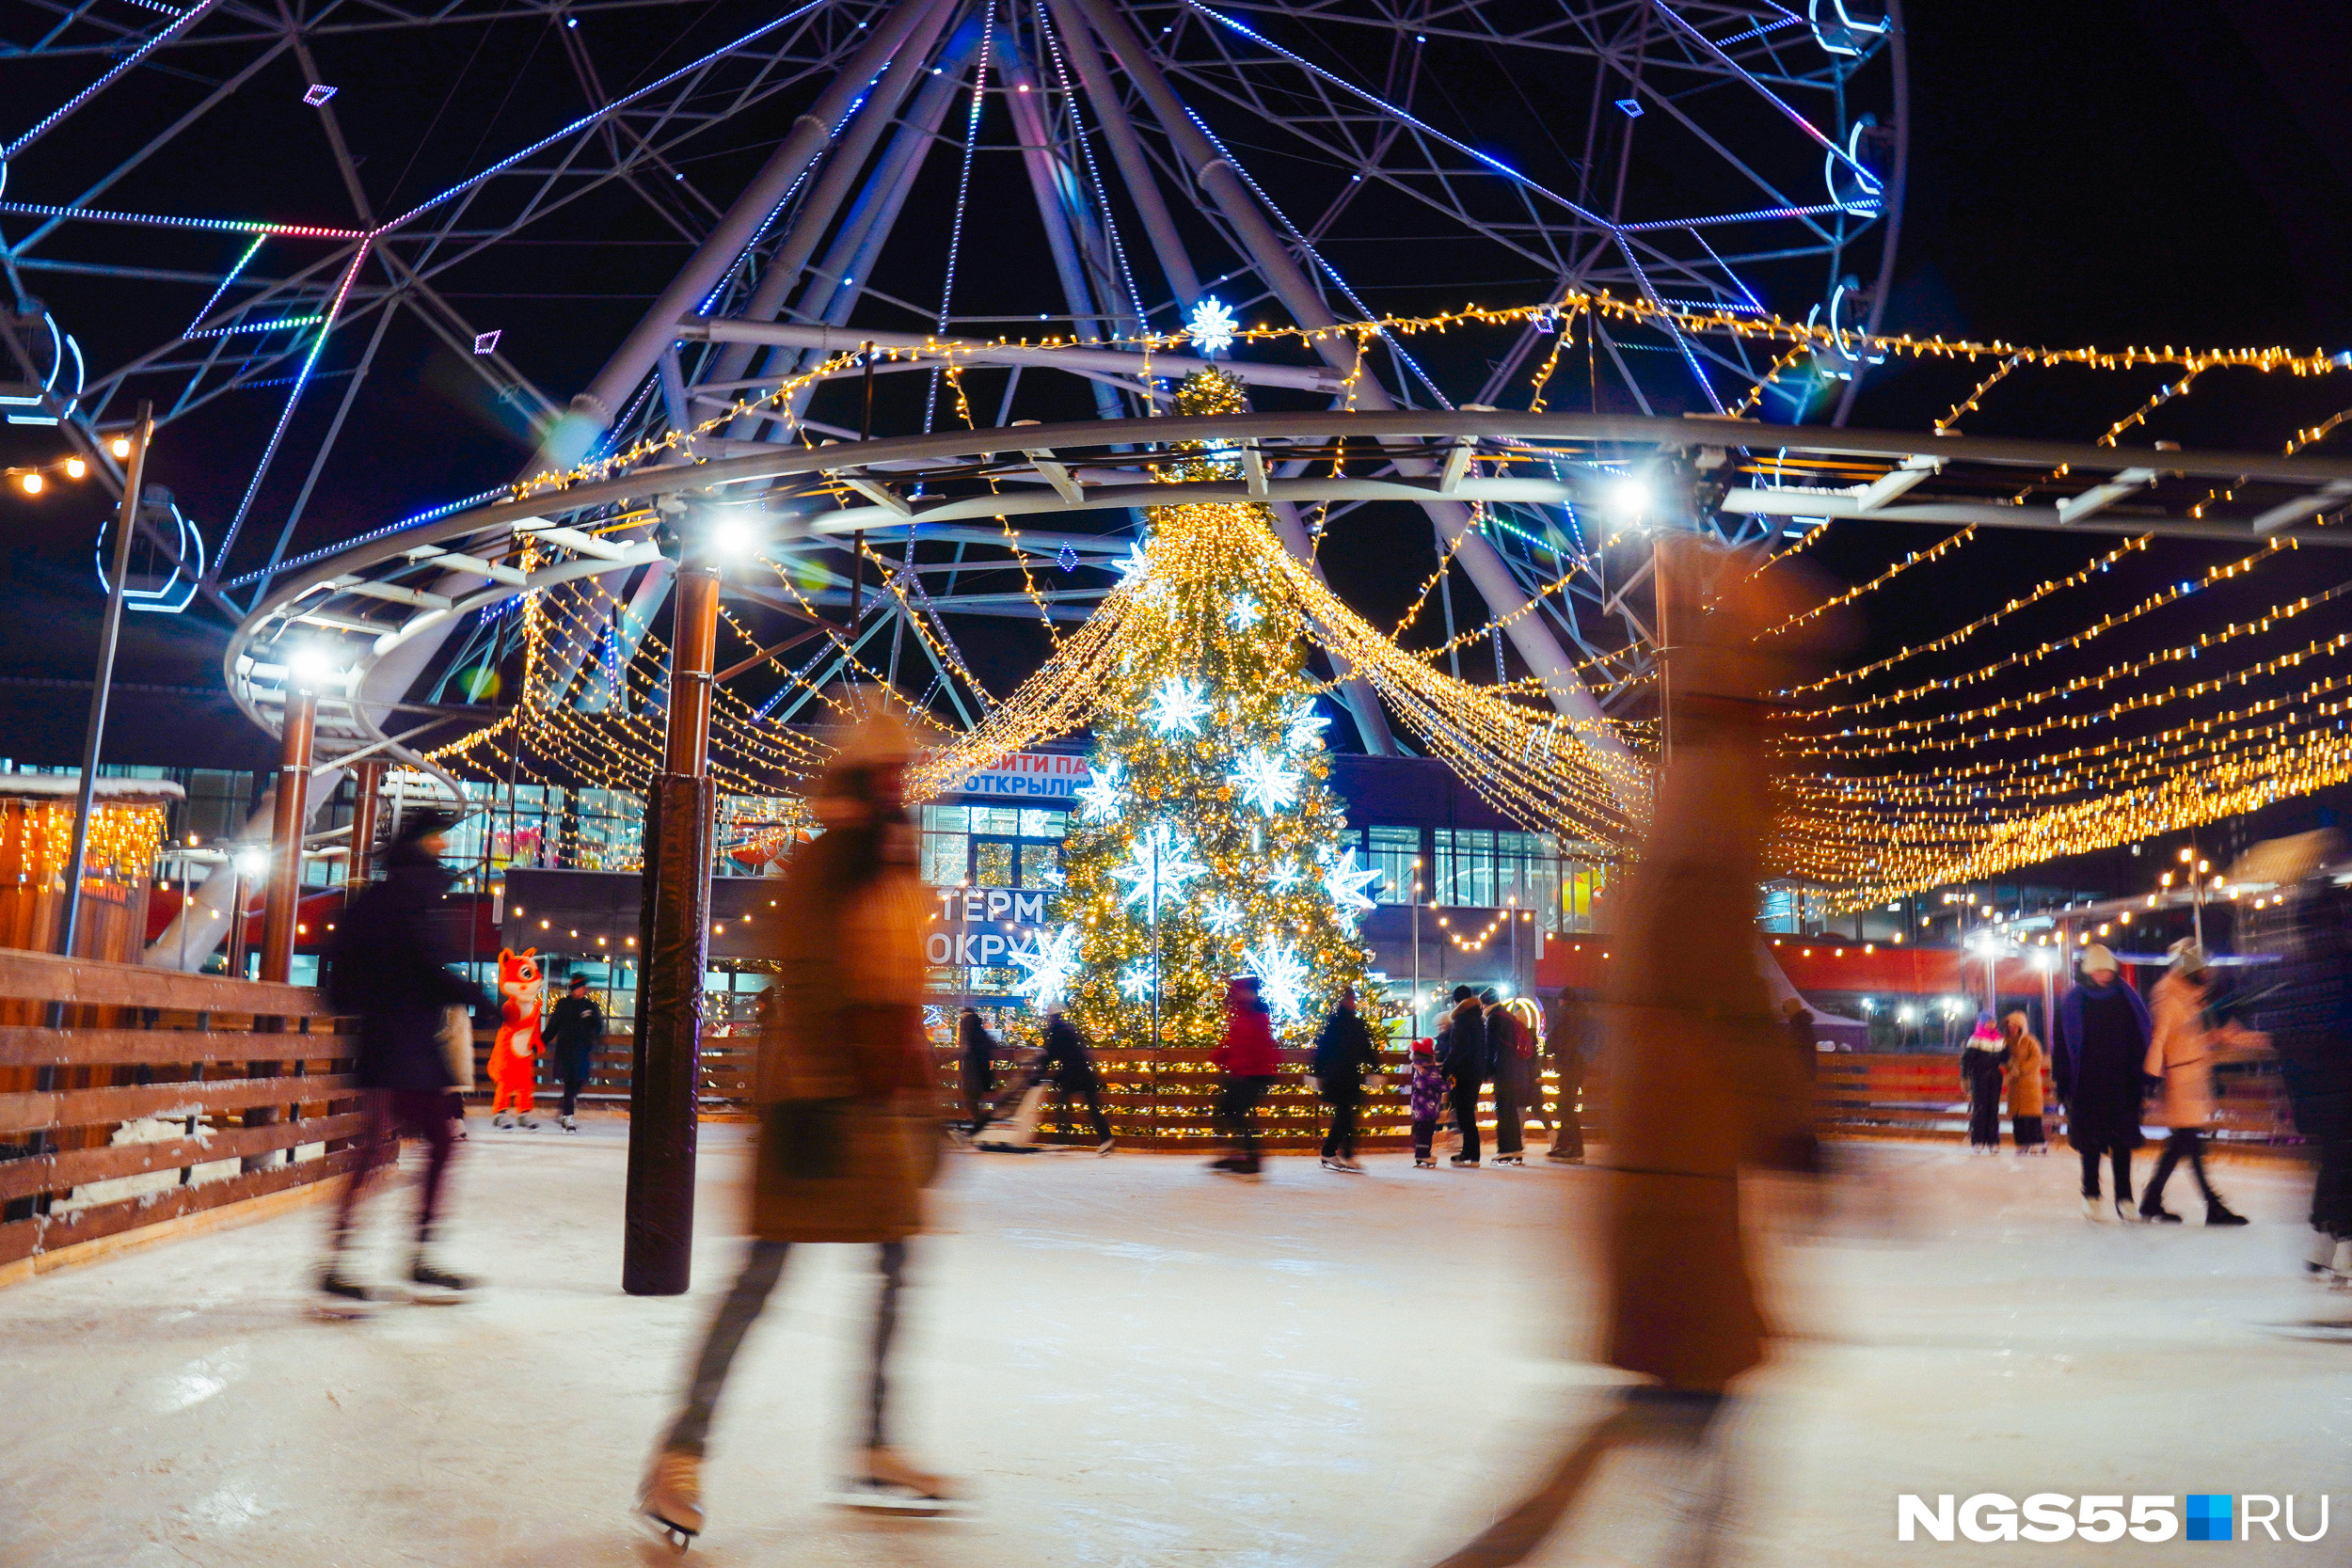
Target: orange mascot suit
(521, 989)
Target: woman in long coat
(2182, 1047)
(2100, 1049)
(850, 1128)
(2023, 1069)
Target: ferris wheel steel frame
(1116, 126)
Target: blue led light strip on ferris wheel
(302, 378)
(186, 20)
(165, 220)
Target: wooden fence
(131, 1097)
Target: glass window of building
(946, 845)
(1044, 824)
(991, 861)
(1391, 852)
(1039, 864)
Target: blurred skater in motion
(391, 967)
(1343, 1053)
(976, 1053)
(1702, 1081)
(849, 1129)
(1980, 1061)
(2184, 1045)
(1071, 1070)
(574, 1026)
(1425, 1092)
(1465, 1059)
(2100, 1055)
(1503, 1043)
(1571, 1025)
(2023, 1066)
(1247, 1055)
(2306, 1008)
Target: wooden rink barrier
(133, 1098)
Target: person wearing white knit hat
(2099, 1048)
(2182, 1050)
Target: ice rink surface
(1138, 1364)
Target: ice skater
(2098, 1054)
(574, 1026)
(976, 1053)
(2306, 1009)
(2182, 1047)
(1071, 1070)
(1249, 1060)
(1980, 1061)
(1343, 1053)
(1465, 1060)
(1504, 1042)
(391, 967)
(1571, 1026)
(2023, 1069)
(850, 1130)
(1425, 1094)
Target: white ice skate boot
(2340, 1266)
(505, 1118)
(522, 1119)
(2094, 1207)
(671, 1501)
(891, 1486)
(571, 1124)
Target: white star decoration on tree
(1303, 725)
(1281, 979)
(1177, 706)
(1213, 327)
(1134, 566)
(1223, 916)
(1135, 980)
(1050, 964)
(1264, 783)
(1100, 796)
(1243, 614)
(1163, 863)
(1345, 884)
(1285, 876)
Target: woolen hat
(2097, 957)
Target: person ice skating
(1802, 1033)
(976, 1053)
(1466, 1065)
(2183, 1046)
(849, 1131)
(1343, 1053)
(2023, 1069)
(1071, 1070)
(2305, 1007)
(514, 1064)
(2098, 1055)
(1567, 1042)
(391, 967)
(1426, 1099)
(574, 1026)
(1248, 1058)
(1503, 1043)
(1981, 1059)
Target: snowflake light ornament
(1345, 884)
(1099, 798)
(1223, 916)
(1177, 706)
(1303, 726)
(1213, 327)
(1050, 964)
(1281, 979)
(1135, 980)
(1135, 567)
(1163, 863)
(1285, 876)
(1243, 614)
(1264, 783)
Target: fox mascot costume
(515, 1055)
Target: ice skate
(2218, 1213)
(1349, 1164)
(2095, 1209)
(1556, 1157)
(1108, 1145)
(2340, 1265)
(1331, 1161)
(1464, 1162)
(1419, 1164)
(671, 1501)
(342, 1297)
(503, 1118)
(523, 1120)
(434, 1286)
(2124, 1211)
(891, 1486)
(2316, 1266)
(1509, 1160)
(571, 1124)
(2157, 1215)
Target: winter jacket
(849, 1125)
(1428, 1091)
(1980, 1061)
(1066, 1061)
(2024, 1067)
(975, 1056)
(574, 1024)
(1466, 1057)
(1248, 1049)
(390, 968)
(2182, 1047)
(2097, 1061)
(1343, 1053)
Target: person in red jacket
(1248, 1060)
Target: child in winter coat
(1428, 1099)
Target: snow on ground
(1139, 1365)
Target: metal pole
(110, 633)
(284, 898)
(674, 945)
(366, 814)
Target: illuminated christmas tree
(1207, 843)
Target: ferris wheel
(805, 187)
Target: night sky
(2162, 171)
